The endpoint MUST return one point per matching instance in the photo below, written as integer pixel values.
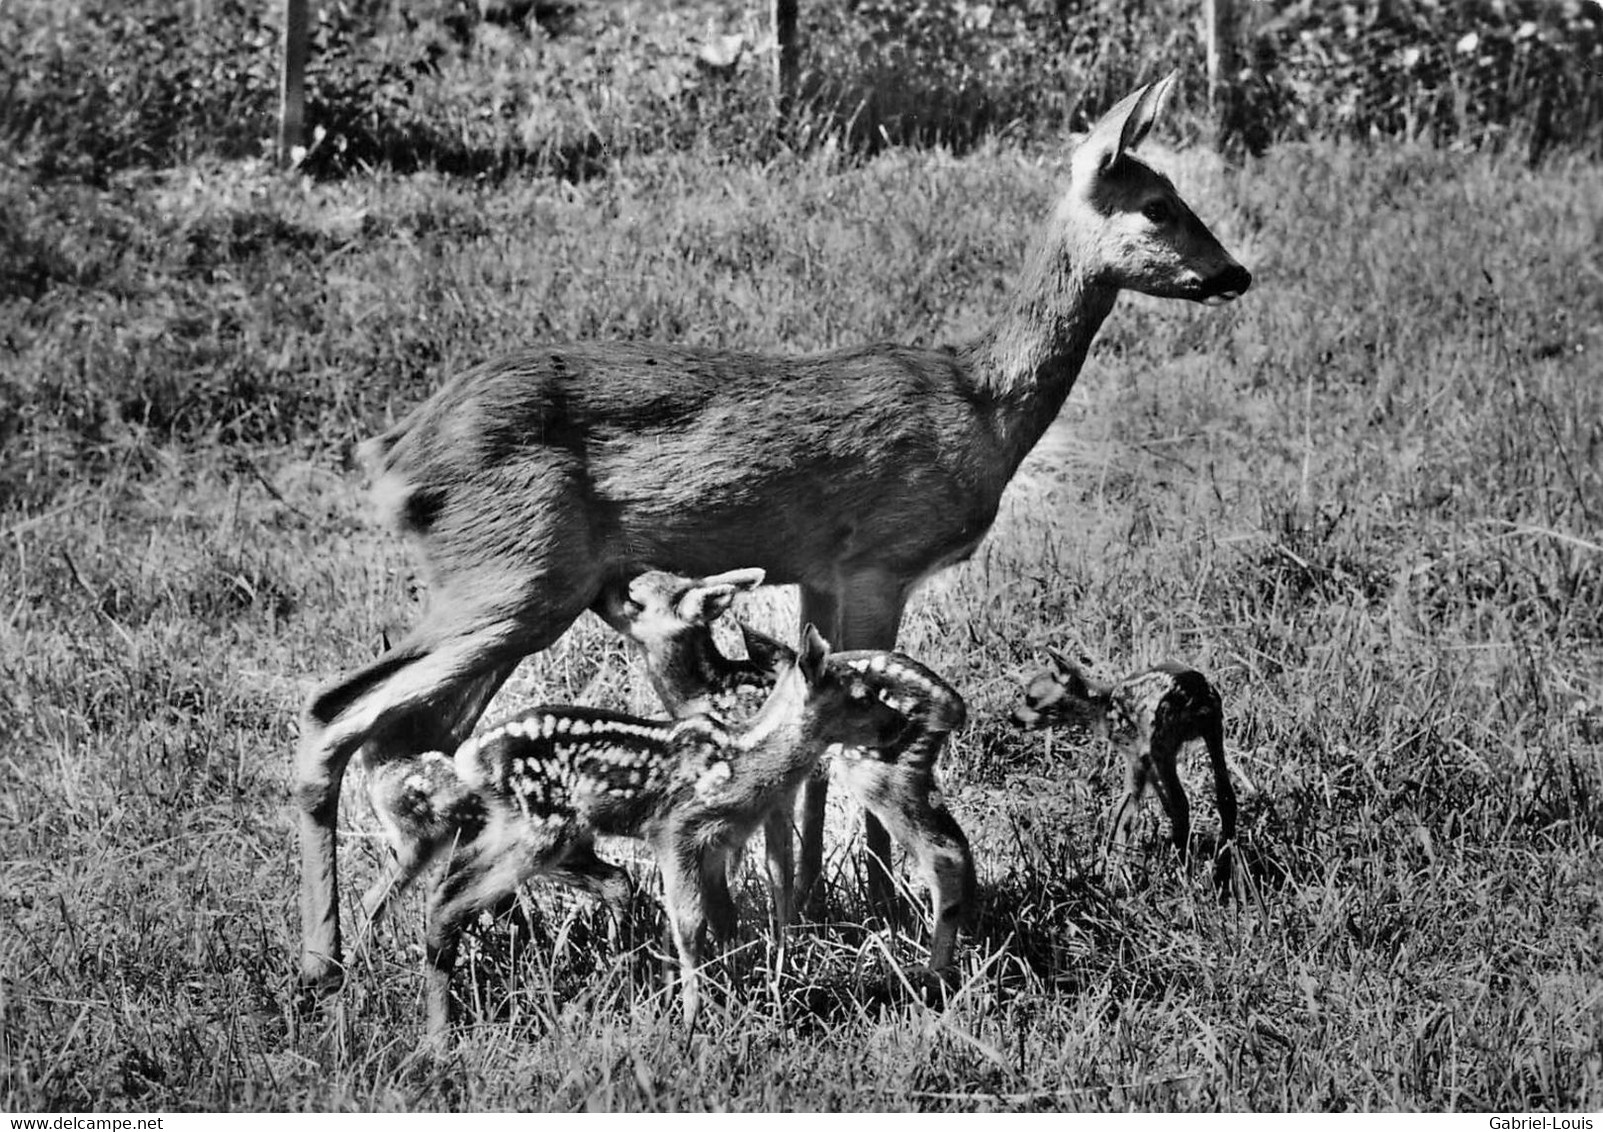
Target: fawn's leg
(1225, 795)
(907, 801)
(871, 614)
(681, 865)
(779, 852)
(864, 611)
(821, 609)
(482, 871)
(581, 868)
(1136, 772)
(1171, 794)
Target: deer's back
(699, 460)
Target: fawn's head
(919, 697)
(669, 618)
(834, 703)
(1125, 226)
(1063, 696)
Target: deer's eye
(1158, 212)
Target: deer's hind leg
(424, 694)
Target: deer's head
(1122, 223)
(669, 619)
(1063, 696)
(836, 704)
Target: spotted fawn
(1147, 717)
(528, 797)
(670, 619)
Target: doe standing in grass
(530, 483)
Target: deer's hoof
(318, 985)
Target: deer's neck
(1026, 363)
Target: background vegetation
(1366, 499)
(88, 88)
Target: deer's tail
(399, 503)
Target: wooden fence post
(292, 82)
(1219, 29)
(785, 54)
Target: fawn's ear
(767, 654)
(706, 600)
(814, 655)
(702, 605)
(1073, 677)
(1123, 127)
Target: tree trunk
(292, 82)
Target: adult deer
(532, 482)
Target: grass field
(1367, 499)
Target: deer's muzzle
(1227, 285)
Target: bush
(1481, 73)
(479, 89)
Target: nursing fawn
(1146, 717)
(531, 482)
(670, 618)
(528, 798)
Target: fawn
(670, 619)
(531, 483)
(1147, 717)
(529, 796)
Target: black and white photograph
(954, 556)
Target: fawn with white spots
(1146, 717)
(528, 798)
(531, 483)
(670, 619)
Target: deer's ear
(706, 599)
(814, 654)
(1072, 675)
(702, 605)
(1148, 108)
(1061, 662)
(1123, 127)
(769, 655)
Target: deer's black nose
(1230, 283)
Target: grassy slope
(1358, 498)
